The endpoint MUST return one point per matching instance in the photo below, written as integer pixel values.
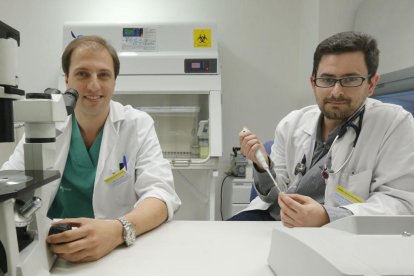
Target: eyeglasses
(353, 81)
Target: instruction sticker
(139, 39)
(202, 38)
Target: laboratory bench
(355, 245)
(187, 248)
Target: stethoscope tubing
(328, 155)
(359, 113)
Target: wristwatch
(129, 231)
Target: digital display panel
(132, 32)
(196, 65)
(200, 66)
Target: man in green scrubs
(115, 181)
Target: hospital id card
(118, 177)
(344, 197)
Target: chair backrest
(268, 147)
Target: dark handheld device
(59, 228)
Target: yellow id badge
(118, 177)
(344, 197)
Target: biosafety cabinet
(172, 72)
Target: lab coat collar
(116, 112)
(110, 135)
(311, 127)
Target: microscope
(23, 214)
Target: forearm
(147, 215)
(264, 185)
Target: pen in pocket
(124, 163)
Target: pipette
(263, 163)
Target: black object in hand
(59, 228)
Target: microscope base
(35, 259)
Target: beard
(337, 113)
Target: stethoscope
(327, 167)
(301, 166)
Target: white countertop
(187, 248)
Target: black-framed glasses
(352, 81)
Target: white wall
(318, 20)
(266, 47)
(392, 24)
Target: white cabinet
(240, 197)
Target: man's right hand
(90, 240)
(249, 144)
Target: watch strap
(129, 233)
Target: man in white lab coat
(347, 155)
(115, 182)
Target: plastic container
(203, 140)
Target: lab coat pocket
(122, 188)
(358, 184)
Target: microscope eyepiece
(72, 92)
(70, 96)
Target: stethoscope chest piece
(301, 167)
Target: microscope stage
(15, 183)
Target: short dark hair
(89, 41)
(346, 42)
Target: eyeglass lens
(345, 82)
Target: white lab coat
(380, 171)
(128, 132)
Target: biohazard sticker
(202, 38)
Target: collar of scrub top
(327, 168)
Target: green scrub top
(74, 196)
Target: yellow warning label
(202, 38)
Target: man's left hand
(301, 211)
